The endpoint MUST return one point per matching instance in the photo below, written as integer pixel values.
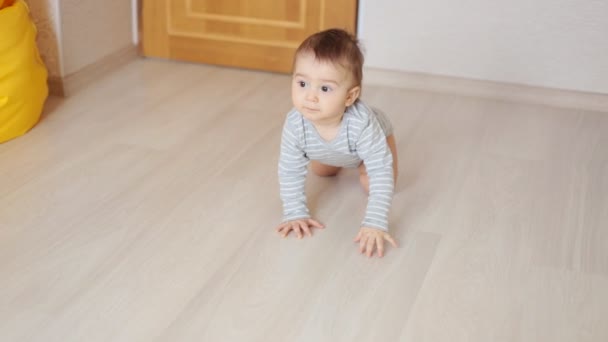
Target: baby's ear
(353, 95)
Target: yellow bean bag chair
(23, 87)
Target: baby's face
(321, 90)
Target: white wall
(552, 43)
(135, 21)
(73, 34)
(92, 29)
(45, 14)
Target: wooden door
(256, 34)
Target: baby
(330, 128)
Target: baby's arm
(378, 159)
(292, 178)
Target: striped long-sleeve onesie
(361, 138)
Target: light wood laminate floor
(143, 209)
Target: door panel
(257, 34)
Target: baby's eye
(302, 84)
(325, 89)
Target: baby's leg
(323, 170)
(364, 178)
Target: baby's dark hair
(336, 46)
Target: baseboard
(56, 86)
(487, 89)
(70, 84)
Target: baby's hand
(299, 227)
(368, 237)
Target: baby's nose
(311, 95)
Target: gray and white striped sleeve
(292, 173)
(378, 159)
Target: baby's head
(327, 75)
(337, 47)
